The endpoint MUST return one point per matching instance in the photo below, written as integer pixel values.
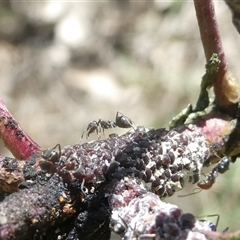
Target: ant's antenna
(193, 193)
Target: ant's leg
(112, 125)
(99, 128)
(80, 140)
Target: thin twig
(13, 136)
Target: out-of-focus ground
(63, 65)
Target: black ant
(98, 126)
(210, 180)
(120, 121)
(52, 154)
(118, 227)
(222, 167)
(211, 225)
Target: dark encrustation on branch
(117, 183)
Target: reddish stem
(226, 88)
(209, 31)
(13, 136)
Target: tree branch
(226, 87)
(159, 161)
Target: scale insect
(121, 121)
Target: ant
(121, 227)
(98, 126)
(222, 167)
(52, 154)
(120, 121)
(118, 227)
(211, 225)
(210, 180)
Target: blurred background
(64, 64)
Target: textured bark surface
(35, 208)
(90, 184)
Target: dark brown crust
(38, 207)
